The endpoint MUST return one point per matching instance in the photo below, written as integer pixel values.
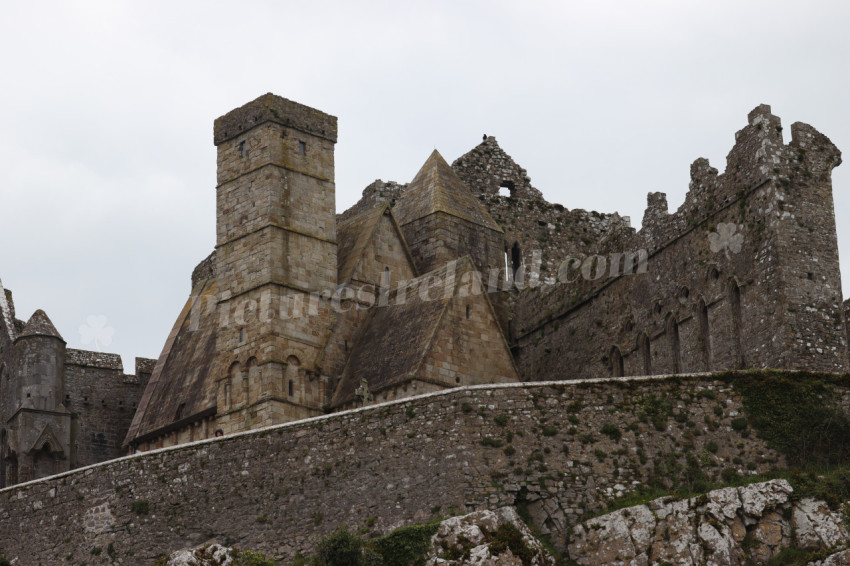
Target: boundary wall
(557, 450)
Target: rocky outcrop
(729, 526)
(487, 538)
(206, 555)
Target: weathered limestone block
(472, 536)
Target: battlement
(87, 358)
(273, 108)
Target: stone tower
(276, 255)
(40, 425)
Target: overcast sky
(107, 167)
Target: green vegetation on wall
(798, 414)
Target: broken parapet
(7, 312)
(487, 168)
(204, 270)
(758, 156)
(377, 192)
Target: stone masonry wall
(102, 400)
(559, 449)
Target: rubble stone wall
(557, 449)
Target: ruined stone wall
(532, 224)
(560, 449)
(439, 238)
(744, 274)
(102, 400)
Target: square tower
(276, 256)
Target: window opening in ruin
(705, 336)
(507, 267)
(302, 148)
(241, 334)
(3, 459)
(506, 189)
(617, 369)
(810, 276)
(346, 345)
(467, 312)
(735, 304)
(457, 380)
(242, 151)
(291, 388)
(386, 276)
(643, 346)
(675, 351)
(179, 413)
(516, 260)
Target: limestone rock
(474, 539)
(712, 529)
(205, 555)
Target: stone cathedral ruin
(464, 276)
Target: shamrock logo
(726, 239)
(95, 330)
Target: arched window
(704, 335)
(3, 449)
(234, 389)
(645, 352)
(673, 340)
(516, 260)
(616, 362)
(735, 306)
(255, 385)
(44, 463)
(293, 366)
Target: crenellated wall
(559, 449)
(744, 274)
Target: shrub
(406, 546)
(340, 548)
(550, 430)
(501, 420)
(140, 507)
(491, 442)
(799, 416)
(251, 558)
(612, 432)
(739, 424)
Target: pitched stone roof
(183, 374)
(437, 188)
(353, 234)
(39, 325)
(398, 337)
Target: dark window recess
(241, 334)
(291, 388)
(810, 276)
(243, 152)
(302, 148)
(467, 312)
(180, 408)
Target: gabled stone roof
(183, 374)
(399, 337)
(353, 234)
(39, 324)
(437, 188)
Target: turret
(40, 357)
